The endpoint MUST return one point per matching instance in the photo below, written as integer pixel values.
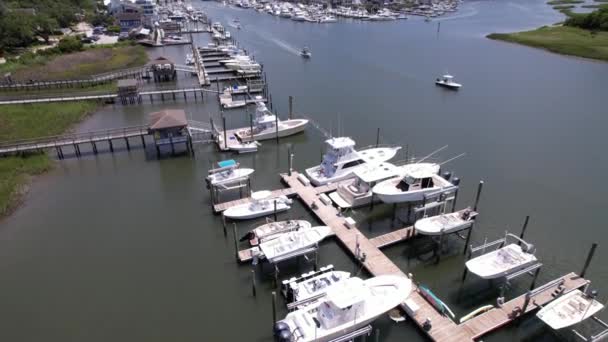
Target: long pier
(377, 263)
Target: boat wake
(285, 46)
(471, 13)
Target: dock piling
(224, 225)
(534, 279)
(225, 133)
(274, 307)
(236, 242)
(253, 289)
(289, 160)
(523, 229)
(275, 210)
(588, 261)
(377, 335)
(478, 196)
(377, 137)
(290, 107)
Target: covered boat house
(170, 128)
(163, 69)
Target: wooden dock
(377, 263)
(75, 140)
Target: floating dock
(377, 263)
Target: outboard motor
(456, 181)
(281, 332)
(447, 175)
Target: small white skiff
(312, 285)
(228, 172)
(261, 204)
(273, 230)
(569, 309)
(291, 243)
(445, 223)
(503, 261)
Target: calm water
(124, 247)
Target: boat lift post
(253, 287)
(274, 307)
(290, 107)
(289, 161)
(377, 137)
(276, 125)
(588, 261)
(236, 241)
(523, 229)
(477, 197)
(225, 133)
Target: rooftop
(340, 142)
(168, 118)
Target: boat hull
(286, 128)
(241, 212)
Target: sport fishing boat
(261, 204)
(569, 309)
(267, 126)
(305, 53)
(347, 306)
(447, 81)
(446, 223)
(312, 285)
(417, 181)
(358, 192)
(291, 243)
(341, 160)
(503, 261)
(273, 230)
(228, 171)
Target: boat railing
(380, 146)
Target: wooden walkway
(393, 237)
(39, 144)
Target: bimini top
(449, 77)
(420, 170)
(374, 172)
(226, 163)
(348, 292)
(340, 142)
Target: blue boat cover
(225, 163)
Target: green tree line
(23, 21)
(594, 21)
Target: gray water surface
(124, 247)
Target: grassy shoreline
(39, 120)
(564, 40)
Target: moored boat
(417, 182)
(503, 261)
(293, 242)
(228, 171)
(312, 285)
(569, 309)
(445, 223)
(267, 126)
(273, 230)
(261, 204)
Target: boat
(313, 285)
(261, 204)
(437, 303)
(292, 243)
(328, 19)
(227, 35)
(476, 312)
(236, 89)
(305, 53)
(273, 230)
(189, 59)
(341, 160)
(244, 66)
(358, 192)
(228, 171)
(569, 309)
(245, 147)
(347, 306)
(447, 81)
(418, 182)
(267, 126)
(228, 103)
(503, 261)
(445, 223)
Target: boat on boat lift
(446, 223)
(346, 307)
(312, 285)
(447, 81)
(503, 261)
(417, 182)
(273, 230)
(266, 125)
(228, 171)
(261, 204)
(569, 309)
(341, 159)
(227, 102)
(291, 243)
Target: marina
(263, 206)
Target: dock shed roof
(129, 82)
(169, 118)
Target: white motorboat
(237, 89)
(228, 103)
(266, 125)
(447, 81)
(245, 147)
(341, 160)
(261, 204)
(236, 59)
(346, 307)
(328, 19)
(189, 59)
(273, 230)
(503, 261)
(244, 65)
(305, 53)
(358, 192)
(569, 309)
(312, 285)
(418, 181)
(228, 171)
(445, 223)
(291, 243)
